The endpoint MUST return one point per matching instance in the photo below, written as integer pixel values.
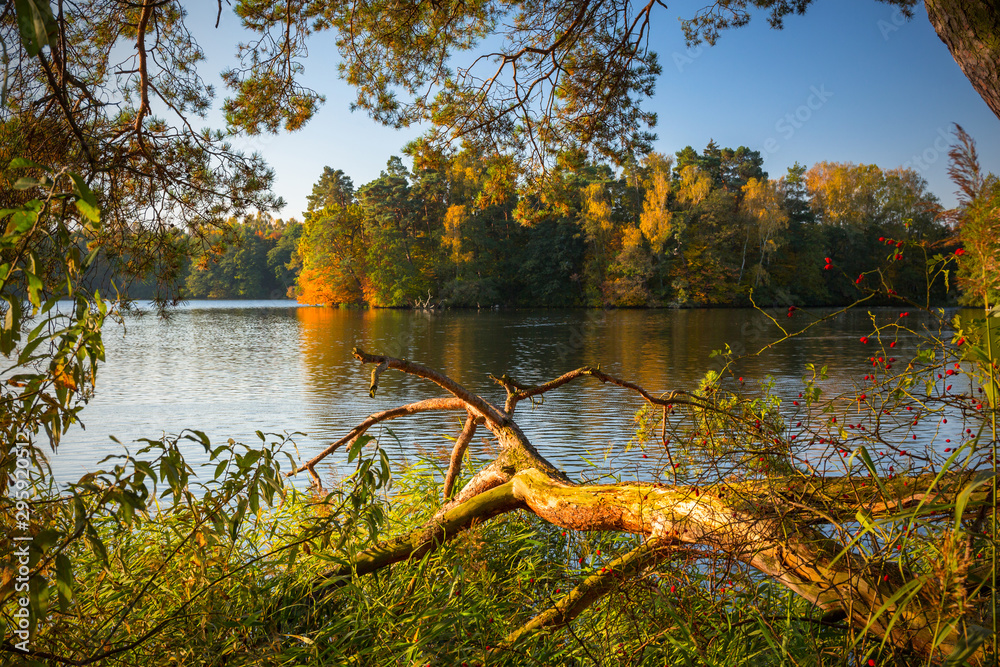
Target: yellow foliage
(695, 185)
(596, 211)
(631, 239)
(454, 218)
(63, 379)
(763, 203)
(656, 219)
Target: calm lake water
(230, 368)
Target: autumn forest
(709, 228)
(713, 504)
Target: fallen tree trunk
(780, 526)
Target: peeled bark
(457, 453)
(773, 524)
(971, 30)
(758, 531)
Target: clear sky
(851, 81)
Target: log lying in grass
(777, 525)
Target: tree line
(694, 229)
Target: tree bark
(455, 466)
(754, 522)
(776, 525)
(971, 30)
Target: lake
(230, 368)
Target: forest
(846, 518)
(689, 230)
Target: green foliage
(221, 562)
(149, 563)
(248, 260)
(50, 338)
(703, 230)
(144, 158)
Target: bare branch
(140, 45)
(476, 403)
(521, 392)
(359, 430)
(455, 467)
(596, 586)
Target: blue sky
(850, 81)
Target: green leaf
(13, 316)
(965, 495)
(64, 581)
(37, 25)
(88, 260)
(25, 355)
(867, 460)
(46, 539)
(250, 459)
(92, 213)
(234, 526)
(86, 202)
(26, 182)
(967, 645)
(34, 287)
(254, 499)
(20, 222)
(356, 447)
(97, 545)
(23, 163)
(3, 92)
